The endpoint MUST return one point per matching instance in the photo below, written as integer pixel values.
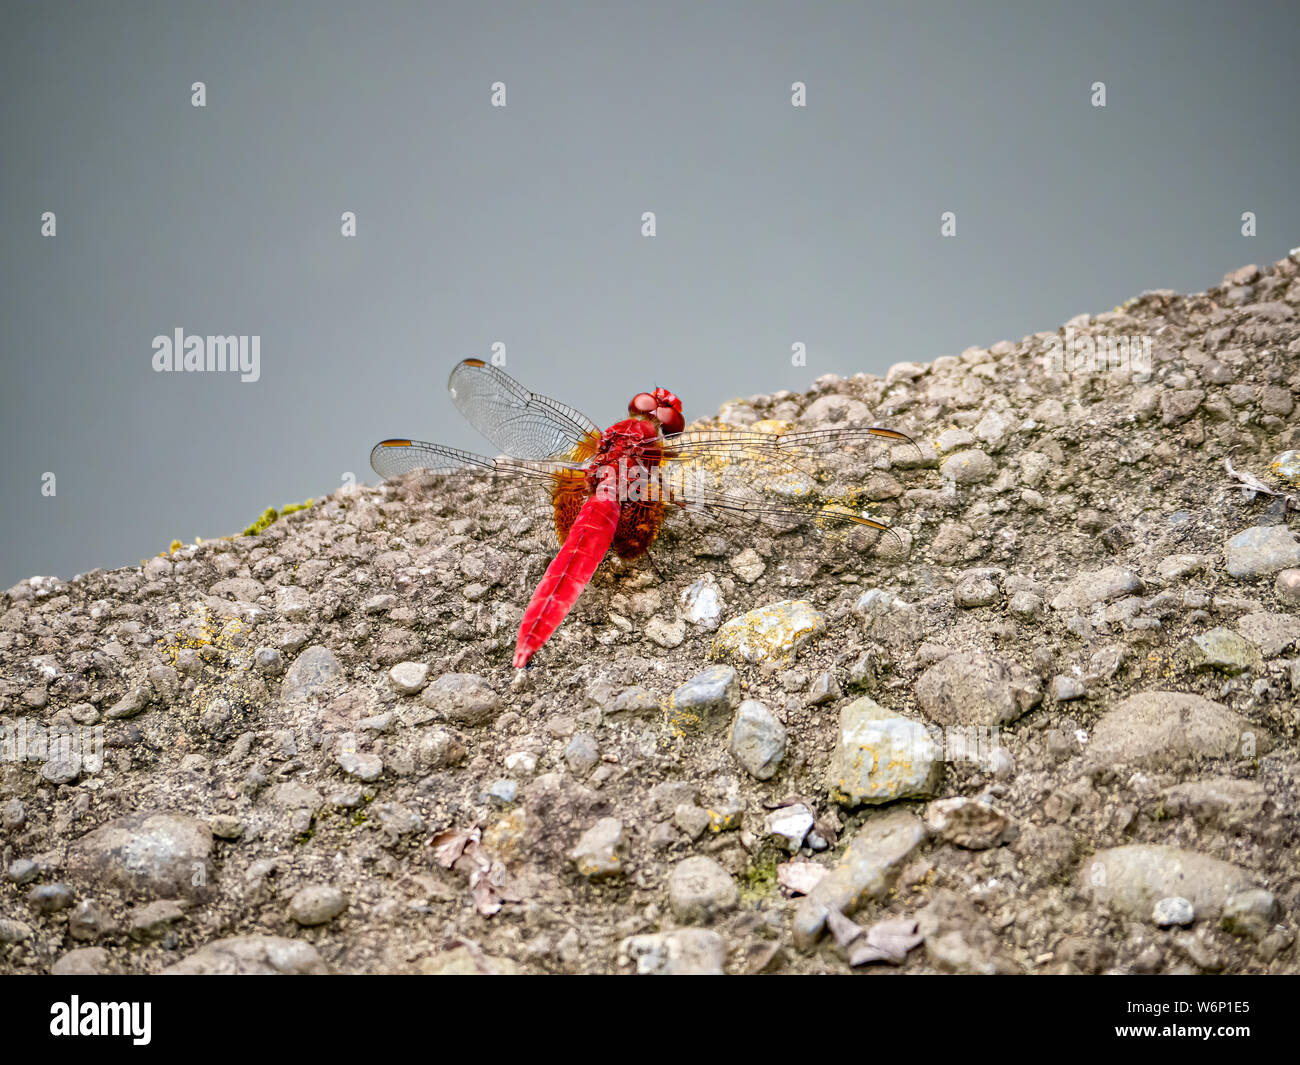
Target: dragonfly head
(662, 406)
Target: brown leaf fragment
(887, 941)
(844, 930)
(447, 846)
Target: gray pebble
(700, 889)
(316, 904)
(581, 754)
(758, 740)
(1173, 910)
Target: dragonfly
(613, 489)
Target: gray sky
(522, 225)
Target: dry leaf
(844, 930)
(447, 846)
(887, 940)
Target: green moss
(271, 514)
(268, 516)
(759, 880)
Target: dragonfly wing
(393, 458)
(707, 444)
(517, 421)
(812, 479)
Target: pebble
(951, 440)
(12, 931)
(13, 814)
(1287, 586)
(316, 904)
(1173, 910)
(1262, 550)
(970, 688)
(153, 920)
(992, 429)
(1176, 567)
(748, 565)
(1065, 688)
(770, 633)
(975, 590)
(1250, 913)
(704, 701)
(50, 898)
(131, 704)
(291, 603)
(462, 698)
(702, 603)
(681, 952)
(581, 754)
(758, 740)
(599, 851)
(1287, 464)
(1272, 633)
(439, 748)
(881, 756)
(240, 589)
(1223, 800)
(1097, 586)
(408, 678)
(88, 921)
(522, 762)
(397, 819)
(665, 633)
(23, 871)
(969, 823)
(790, 824)
(958, 939)
(63, 766)
(160, 854)
(251, 956)
(1132, 879)
(635, 702)
(1224, 650)
(268, 660)
(700, 890)
(312, 671)
(1158, 728)
(691, 819)
(226, 826)
(503, 791)
(365, 767)
(967, 467)
(84, 961)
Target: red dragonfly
(614, 488)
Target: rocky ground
(1049, 727)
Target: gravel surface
(1049, 726)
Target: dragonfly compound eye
(643, 403)
(671, 419)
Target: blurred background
(522, 225)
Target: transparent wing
(516, 421)
(830, 480)
(393, 458)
